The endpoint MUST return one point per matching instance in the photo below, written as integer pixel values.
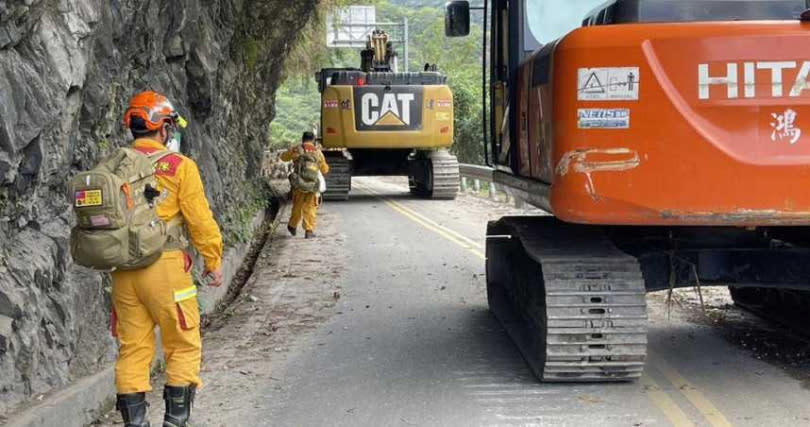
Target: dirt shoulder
(292, 291)
(778, 344)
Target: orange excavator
(670, 141)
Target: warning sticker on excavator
(608, 84)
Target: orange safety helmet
(148, 111)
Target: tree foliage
(311, 53)
(297, 110)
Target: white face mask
(174, 142)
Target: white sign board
(349, 27)
(608, 84)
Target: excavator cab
(521, 29)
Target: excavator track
(572, 302)
(339, 178)
(787, 307)
(434, 175)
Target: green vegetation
(250, 49)
(237, 222)
(298, 101)
(297, 110)
(310, 52)
(104, 145)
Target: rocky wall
(67, 70)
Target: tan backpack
(117, 224)
(305, 172)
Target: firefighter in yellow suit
(305, 204)
(163, 293)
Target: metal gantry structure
(351, 27)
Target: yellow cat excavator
(376, 121)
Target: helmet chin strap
(168, 134)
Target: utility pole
(405, 42)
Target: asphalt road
(411, 343)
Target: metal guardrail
(472, 176)
(483, 173)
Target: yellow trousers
(305, 207)
(162, 294)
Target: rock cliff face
(67, 70)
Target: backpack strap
(301, 152)
(177, 236)
(154, 157)
(158, 156)
(176, 221)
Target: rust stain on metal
(741, 217)
(583, 161)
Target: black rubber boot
(291, 230)
(133, 409)
(309, 234)
(178, 405)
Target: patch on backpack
(88, 198)
(168, 165)
(100, 221)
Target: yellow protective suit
(305, 205)
(164, 294)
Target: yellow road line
(438, 229)
(698, 400)
(661, 399)
(453, 232)
(466, 239)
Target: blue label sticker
(603, 118)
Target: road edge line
(665, 403)
(426, 223)
(706, 408)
